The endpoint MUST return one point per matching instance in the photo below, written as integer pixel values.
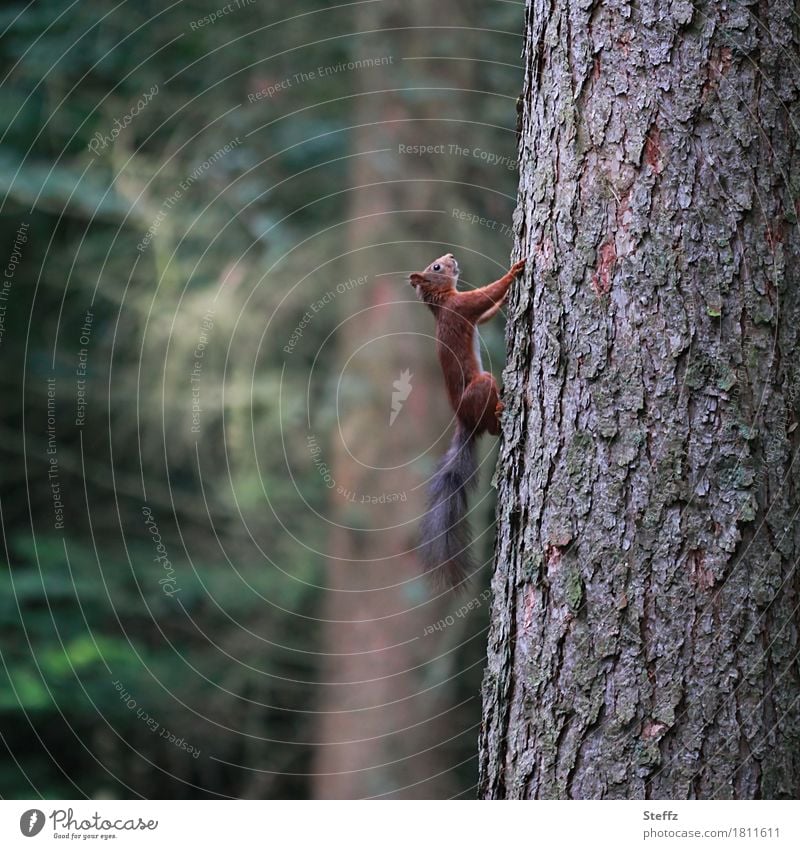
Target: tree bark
(644, 637)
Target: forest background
(209, 494)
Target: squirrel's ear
(415, 279)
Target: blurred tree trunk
(383, 717)
(644, 635)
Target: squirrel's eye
(437, 267)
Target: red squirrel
(474, 396)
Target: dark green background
(79, 609)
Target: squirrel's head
(442, 273)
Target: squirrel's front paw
(499, 409)
(518, 267)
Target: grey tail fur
(445, 532)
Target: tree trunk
(644, 636)
(384, 717)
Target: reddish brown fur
(473, 392)
(444, 537)
(444, 547)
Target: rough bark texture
(644, 639)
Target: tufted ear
(415, 279)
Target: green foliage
(250, 236)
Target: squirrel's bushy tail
(445, 533)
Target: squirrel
(474, 396)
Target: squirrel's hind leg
(480, 405)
